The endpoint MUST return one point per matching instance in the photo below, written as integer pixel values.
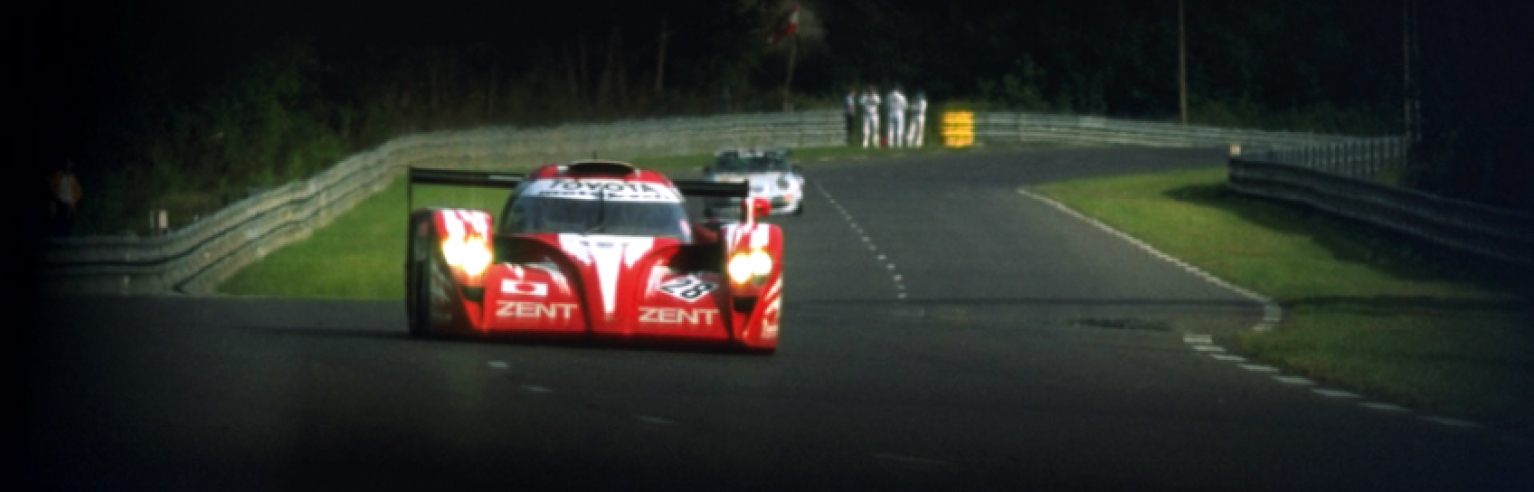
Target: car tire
(420, 301)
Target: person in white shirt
(851, 104)
(870, 102)
(896, 127)
(918, 120)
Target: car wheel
(420, 301)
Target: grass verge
(1364, 309)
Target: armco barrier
(196, 258)
(998, 127)
(1320, 177)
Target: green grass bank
(1364, 309)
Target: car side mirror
(752, 208)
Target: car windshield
(532, 214)
(751, 164)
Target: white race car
(769, 173)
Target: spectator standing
(896, 127)
(913, 136)
(851, 115)
(64, 199)
(870, 102)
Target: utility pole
(1182, 65)
(660, 60)
(793, 49)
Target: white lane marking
(654, 420)
(535, 388)
(1208, 348)
(1452, 422)
(1331, 393)
(1383, 407)
(495, 364)
(909, 459)
(1228, 357)
(867, 241)
(1193, 338)
(1271, 311)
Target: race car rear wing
(492, 179)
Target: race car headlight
(761, 262)
(471, 254)
(744, 266)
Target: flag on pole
(789, 24)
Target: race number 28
(687, 288)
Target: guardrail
(1336, 179)
(194, 259)
(1001, 128)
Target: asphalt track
(997, 344)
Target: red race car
(596, 249)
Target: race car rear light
(471, 254)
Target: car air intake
(602, 168)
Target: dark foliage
(220, 97)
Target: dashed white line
(648, 419)
(535, 388)
(495, 364)
(1228, 357)
(1258, 368)
(1294, 380)
(1383, 407)
(867, 241)
(1208, 348)
(1331, 393)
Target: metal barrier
(1027, 128)
(196, 258)
(1338, 179)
